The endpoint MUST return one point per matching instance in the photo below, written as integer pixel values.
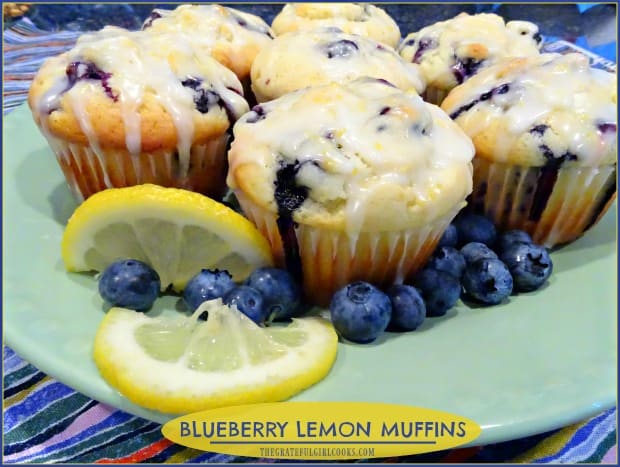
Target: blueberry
(288, 194)
(424, 44)
(129, 283)
(475, 251)
(475, 228)
(510, 237)
(487, 280)
(408, 308)
(340, 49)
(248, 300)
(279, 289)
(256, 114)
(529, 264)
(207, 285)
(360, 312)
(450, 237)
(449, 260)
(440, 290)
(149, 21)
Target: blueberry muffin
(231, 36)
(308, 58)
(353, 18)
(121, 109)
(545, 132)
(350, 181)
(452, 51)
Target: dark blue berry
(248, 301)
(340, 49)
(501, 89)
(149, 21)
(424, 44)
(488, 281)
(78, 71)
(207, 285)
(408, 308)
(440, 290)
(280, 291)
(256, 114)
(129, 283)
(475, 251)
(529, 264)
(475, 228)
(360, 312)
(288, 194)
(607, 127)
(510, 237)
(449, 260)
(539, 129)
(450, 237)
(464, 68)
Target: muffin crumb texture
(359, 156)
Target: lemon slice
(176, 232)
(183, 364)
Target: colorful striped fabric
(47, 422)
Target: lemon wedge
(185, 364)
(176, 232)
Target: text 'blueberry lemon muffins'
(230, 36)
(350, 181)
(308, 58)
(122, 108)
(452, 51)
(545, 131)
(354, 18)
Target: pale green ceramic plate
(542, 361)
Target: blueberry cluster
(269, 294)
(472, 261)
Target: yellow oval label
(321, 430)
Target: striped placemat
(45, 421)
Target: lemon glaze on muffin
(450, 52)
(230, 36)
(308, 58)
(358, 179)
(353, 18)
(123, 108)
(545, 131)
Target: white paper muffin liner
(331, 259)
(554, 205)
(88, 170)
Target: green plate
(539, 362)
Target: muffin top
(450, 52)
(360, 156)
(231, 36)
(124, 90)
(546, 110)
(353, 18)
(308, 58)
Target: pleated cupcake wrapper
(434, 95)
(88, 170)
(331, 259)
(554, 205)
